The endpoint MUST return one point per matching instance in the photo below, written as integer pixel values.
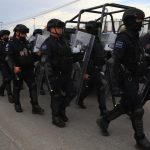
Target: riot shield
(39, 68)
(43, 71)
(46, 68)
(109, 80)
(83, 42)
(39, 41)
(108, 41)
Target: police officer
(127, 69)
(5, 69)
(21, 60)
(60, 60)
(93, 76)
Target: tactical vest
(133, 60)
(62, 57)
(23, 56)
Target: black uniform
(6, 73)
(128, 68)
(60, 59)
(94, 69)
(21, 56)
(130, 54)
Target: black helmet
(92, 24)
(21, 28)
(4, 32)
(133, 13)
(37, 31)
(55, 23)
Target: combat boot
(58, 122)
(63, 115)
(18, 108)
(103, 124)
(137, 123)
(36, 109)
(144, 143)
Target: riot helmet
(4, 32)
(133, 12)
(21, 28)
(4, 35)
(92, 27)
(55, 23)
(22, 31)
(37, 31)
(132, 18)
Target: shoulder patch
(6, 47)
(44, 47)
(118, 44)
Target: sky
(28, 12)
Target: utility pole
(1, 23)
(33, 23)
